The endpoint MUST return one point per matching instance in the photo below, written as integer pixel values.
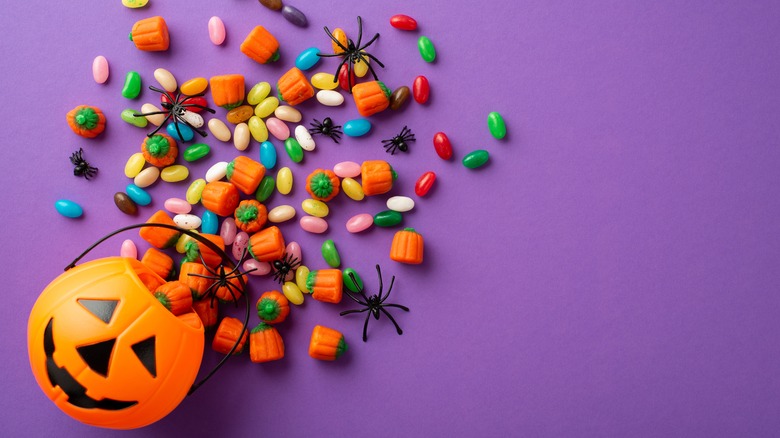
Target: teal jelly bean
(308, 58)
(357, 127)
(68, 208)
(496, 125)
(476, 159)
(186, 132)
(268, 154)
(354, 286)
(132, 87)
(127, 116)
(427, 51)
(209, 223)
(387, 218)
(294, 149)
(331, 254)
(196, 152)
(138, 195)
(265, 189)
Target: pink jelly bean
(260, 268)
(294, 251)
(228, 231)
(128, 249)
(239, 244)
(313, 224)
(359, 222)
(177, 206)
(347, 169)
(216, 30)
(277, 128)
(100, 69)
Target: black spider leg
(222, 278)
(168, 113)
(368, 307)
(181, 104)
(382, 300)
(76, 156)
(293, 263)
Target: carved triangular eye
(147, 354)
(97, 356)
(102, 309)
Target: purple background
(612, 272)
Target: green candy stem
(86, 118)
(246, 213)
(342, 347)
(163, 299)
(158, 146)
(321, 185)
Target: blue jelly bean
(186, 132)
(210, 223)
(138, 195)
(357, 127)
(308, 58)
(267, 155)
(68, 208)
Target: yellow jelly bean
(257, 129)
(292, 293)
(300, 278)
(195, 190)
(175, 173)
(260, 91)
(353, 189)
(266, 107)
(284, 181)
(133, 4)
(324, 81)
(315, 208)
(134, 165)
(182, 242)
(194, 86)
(361, 67)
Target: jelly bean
(290, 289)
(287, 113)
(294, 150)
(304, 138)
(424, 184)
(127, 116)
(174, 129)
(241, 136)
(403, 22)
(301, 275)
(177, 206)
(128, 249)
(216, 30)
(265, 188)
(427, 50)
(134, 165)
(442, 145)
(194, 119)
(210, 223)
(294, 251)
(346, 77)
(340, 42)
(134, 4)
(315, 208)
(400, 204)
(357, 127)
(100, 69)
(195, 102)
(352, 189)
(496, 125)
(421, 90)
(196, 152)
(387, 218)
(258, 129)
(181, 244)
(125, 204)
(330, 97)
(138, 195)
(352, 280)
(166, 80)
(240, 244)
(361, 66)
(267, 107)
(195, 190)
(228, 230)
(194, 86)
(331, 254)
(175, 173)
(308, 58)
(187, 221)
(324, 81)
(278, 128)
(146, 177)
(313, 224)
(360, 222)
(219, 130)
(347, 169)
(254, 267)
(260, 91)
(239, 114)
(284, 180)
(154, 119)
(273, 5)
(217, 171)
(132, 87)
(294, 16)
(476, 159)
(399, 97)
(268, 155)
(281, 213)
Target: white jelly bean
(128, 249)
(239, 245)
(241, 136)
(147, 177)
(100, 69)
(400, 203)
(156, 119)
(313, 224)
(287, 113)
(304, 138)
(281, 213)
(228, 231)
(166, 79)
(187, 221)
(330, 97)
(217, 171)
(192, 118)
(347, 169)
(177, 206)
(360, 222)
(254, 267)
(219, 130)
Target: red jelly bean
(190, 101)
(403, 22)
(421, 89)
(343, 78)
(442, 145)
(425, 183)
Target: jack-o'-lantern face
(106, 352)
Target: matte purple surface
(613, 271)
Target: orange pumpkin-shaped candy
(220, 197)
(245, 173)
(323, 185)
(407, 247)
(371, 97)
(158, 261)
(265, 344)
(377, 177)
(159, 150)
(160, 237)
(150, 34)
(227, 334)
(86, 121)
(207, 311)
(326, 285)
(294, 88)
(194, 274)
(273, 307)
(207, 255)
(250, 216)
(106, 352)
(267, 245)
(227, 90)
(326, 343)
(261, 46)
(175, 296)
(230, 291)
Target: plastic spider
(222, 278)
(373, 304)
(82, 167)
(326, 128)
(399, 142)
(175, 108)
(353, 53)
(284, 266)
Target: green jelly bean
(132, 87)
(387, 218)
(427, 50)
(196, 152)
(127, 116)
(496, 125)
(354, 286)
(476, 159)
(294, 149)
(331, 254)
(265, 189)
